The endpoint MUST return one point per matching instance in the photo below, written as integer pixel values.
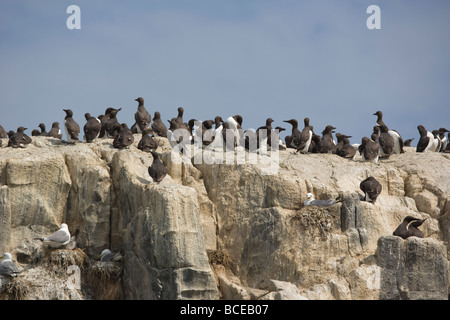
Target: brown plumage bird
(371, 188)
(409, 228)
(124, 138)
(369, 150)
(157, 170)
(147, 143)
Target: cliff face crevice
(232, 231)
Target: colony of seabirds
(228, 134)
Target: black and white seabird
(55, 131)
(124, 138)
(264, 134)
(3, 133)
(147, 143)
(371, 189)
(375, 133)
(313, 146)
(436, 141)
(413, 229)
(444, 139)
(59, 238)
(386, 142)
(401, 230)
(158, 126)
(276, 132)
(92, 128)
(344, 149)
(7, 266)
(108, 256)
(232, 132)
(71, 126)
(207, 132)
(306, 137)
(408, 142)
(409, 228)
(179, 119)
(292, 139)
(103, 119)
(42, 132)
(157, 170)
(142, 117)
(310, 201)
(379, 115)
(398, 141)
(426, 140)
(19, 138)
(177, 134)
(326, 144)
(217, 134)
(111, 125)
(369, 150)
(228, 136)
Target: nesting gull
(310, 201)
(108, 256)
(59, 238)
(7, 266)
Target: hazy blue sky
(258, 58)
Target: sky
(282, 59)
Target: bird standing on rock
(55, 131)
(326, 144)
(157, 170)
(111, 125)
(344, 149)
(147, 143)
(92, 128)
(19, 138)
(142, 117)
(369, 150)
(371, 188)
(158, 127)
(124, 138)
(72, 128)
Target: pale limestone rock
(231, 289)
(284, 290)
(365, 282)
(253, 212)
(340, 289)
(412, 269)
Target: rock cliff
(214, 230)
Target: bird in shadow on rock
(157, 170)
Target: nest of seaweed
(15, 289)
(104, 271)
(219, 257)
(316, 219)
(104, 279)
(59, 260)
